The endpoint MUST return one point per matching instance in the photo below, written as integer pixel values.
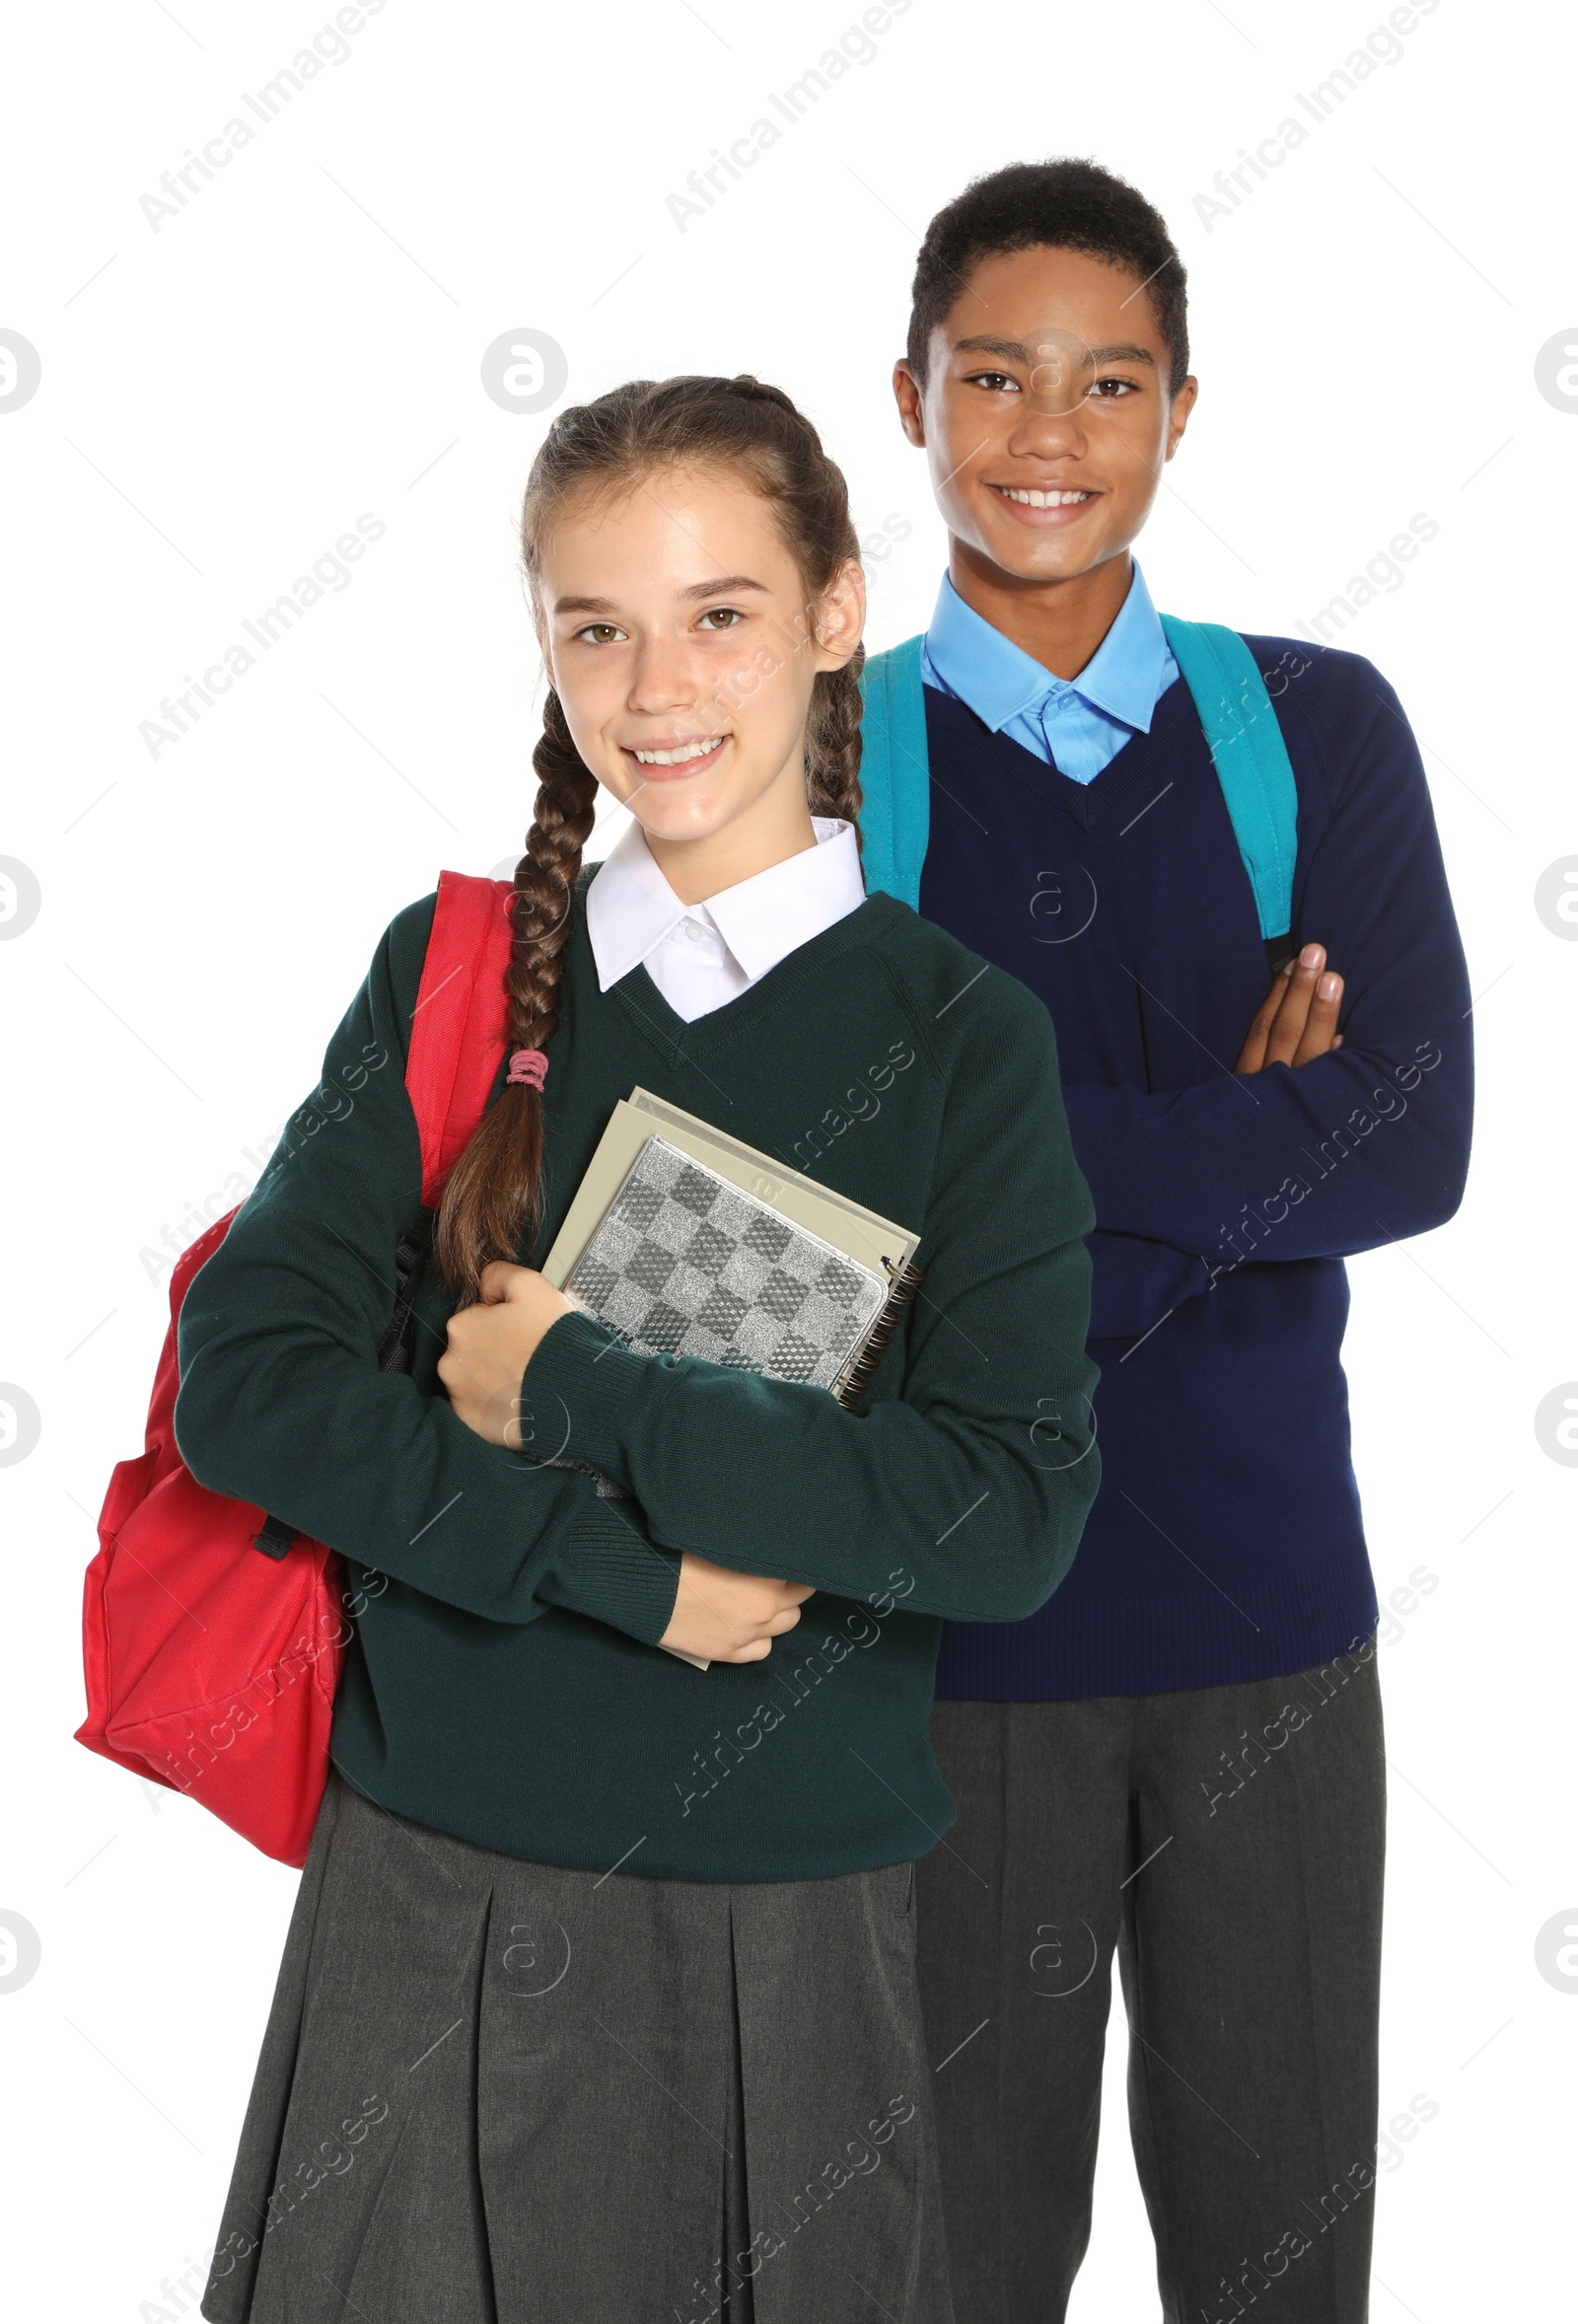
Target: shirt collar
(998, 681)
(631, 907)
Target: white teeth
(1041, 499)
(682, 751)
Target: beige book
(864, 1235)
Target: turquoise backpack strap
(1252, 765)
(1246, 750)
(894, 773)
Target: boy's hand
(728, 1616)
(490, 1345)
(1298, 1017)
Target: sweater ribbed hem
(1134, 1646)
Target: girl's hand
(490, 1345)
(728, 1616)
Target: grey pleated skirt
(501, 2092)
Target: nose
(662, 678)
(1042, 434)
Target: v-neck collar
(1120, 787)
(722, 1028)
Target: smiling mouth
(1030, 496)
(663, 762)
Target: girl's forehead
(684, 525)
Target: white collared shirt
(701, 956)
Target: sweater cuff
(580, 1378)
(581, 1385)
(615, 1575)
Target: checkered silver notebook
(683, 1263)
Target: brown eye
(728, 617)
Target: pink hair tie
(527, 1068)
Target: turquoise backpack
(1247, 749)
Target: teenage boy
(1179, 1758)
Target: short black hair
(1065, 204)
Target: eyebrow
(727, 585)
(1016, 353)
(723, 586)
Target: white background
(221, 400)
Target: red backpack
(211, 1668)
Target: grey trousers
(1227, 1842)
(501, 2092)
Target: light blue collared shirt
(1077, 725)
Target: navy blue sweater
(1226, 1543)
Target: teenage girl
(598, 2002)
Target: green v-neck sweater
(504, 1683)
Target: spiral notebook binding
(906, 1282)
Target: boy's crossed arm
(1137, 1281)
(1311, 1149)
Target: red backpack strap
(458, 1029)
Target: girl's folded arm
(281, 1401)
(967, 1495)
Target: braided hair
(495, 1194)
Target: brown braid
(495, 1194)
(832, 742)
(494, 1191)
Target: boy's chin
(1025, 556)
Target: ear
(908, 396)
(840, 617)
(1177, 416)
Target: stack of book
(686, 1242)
